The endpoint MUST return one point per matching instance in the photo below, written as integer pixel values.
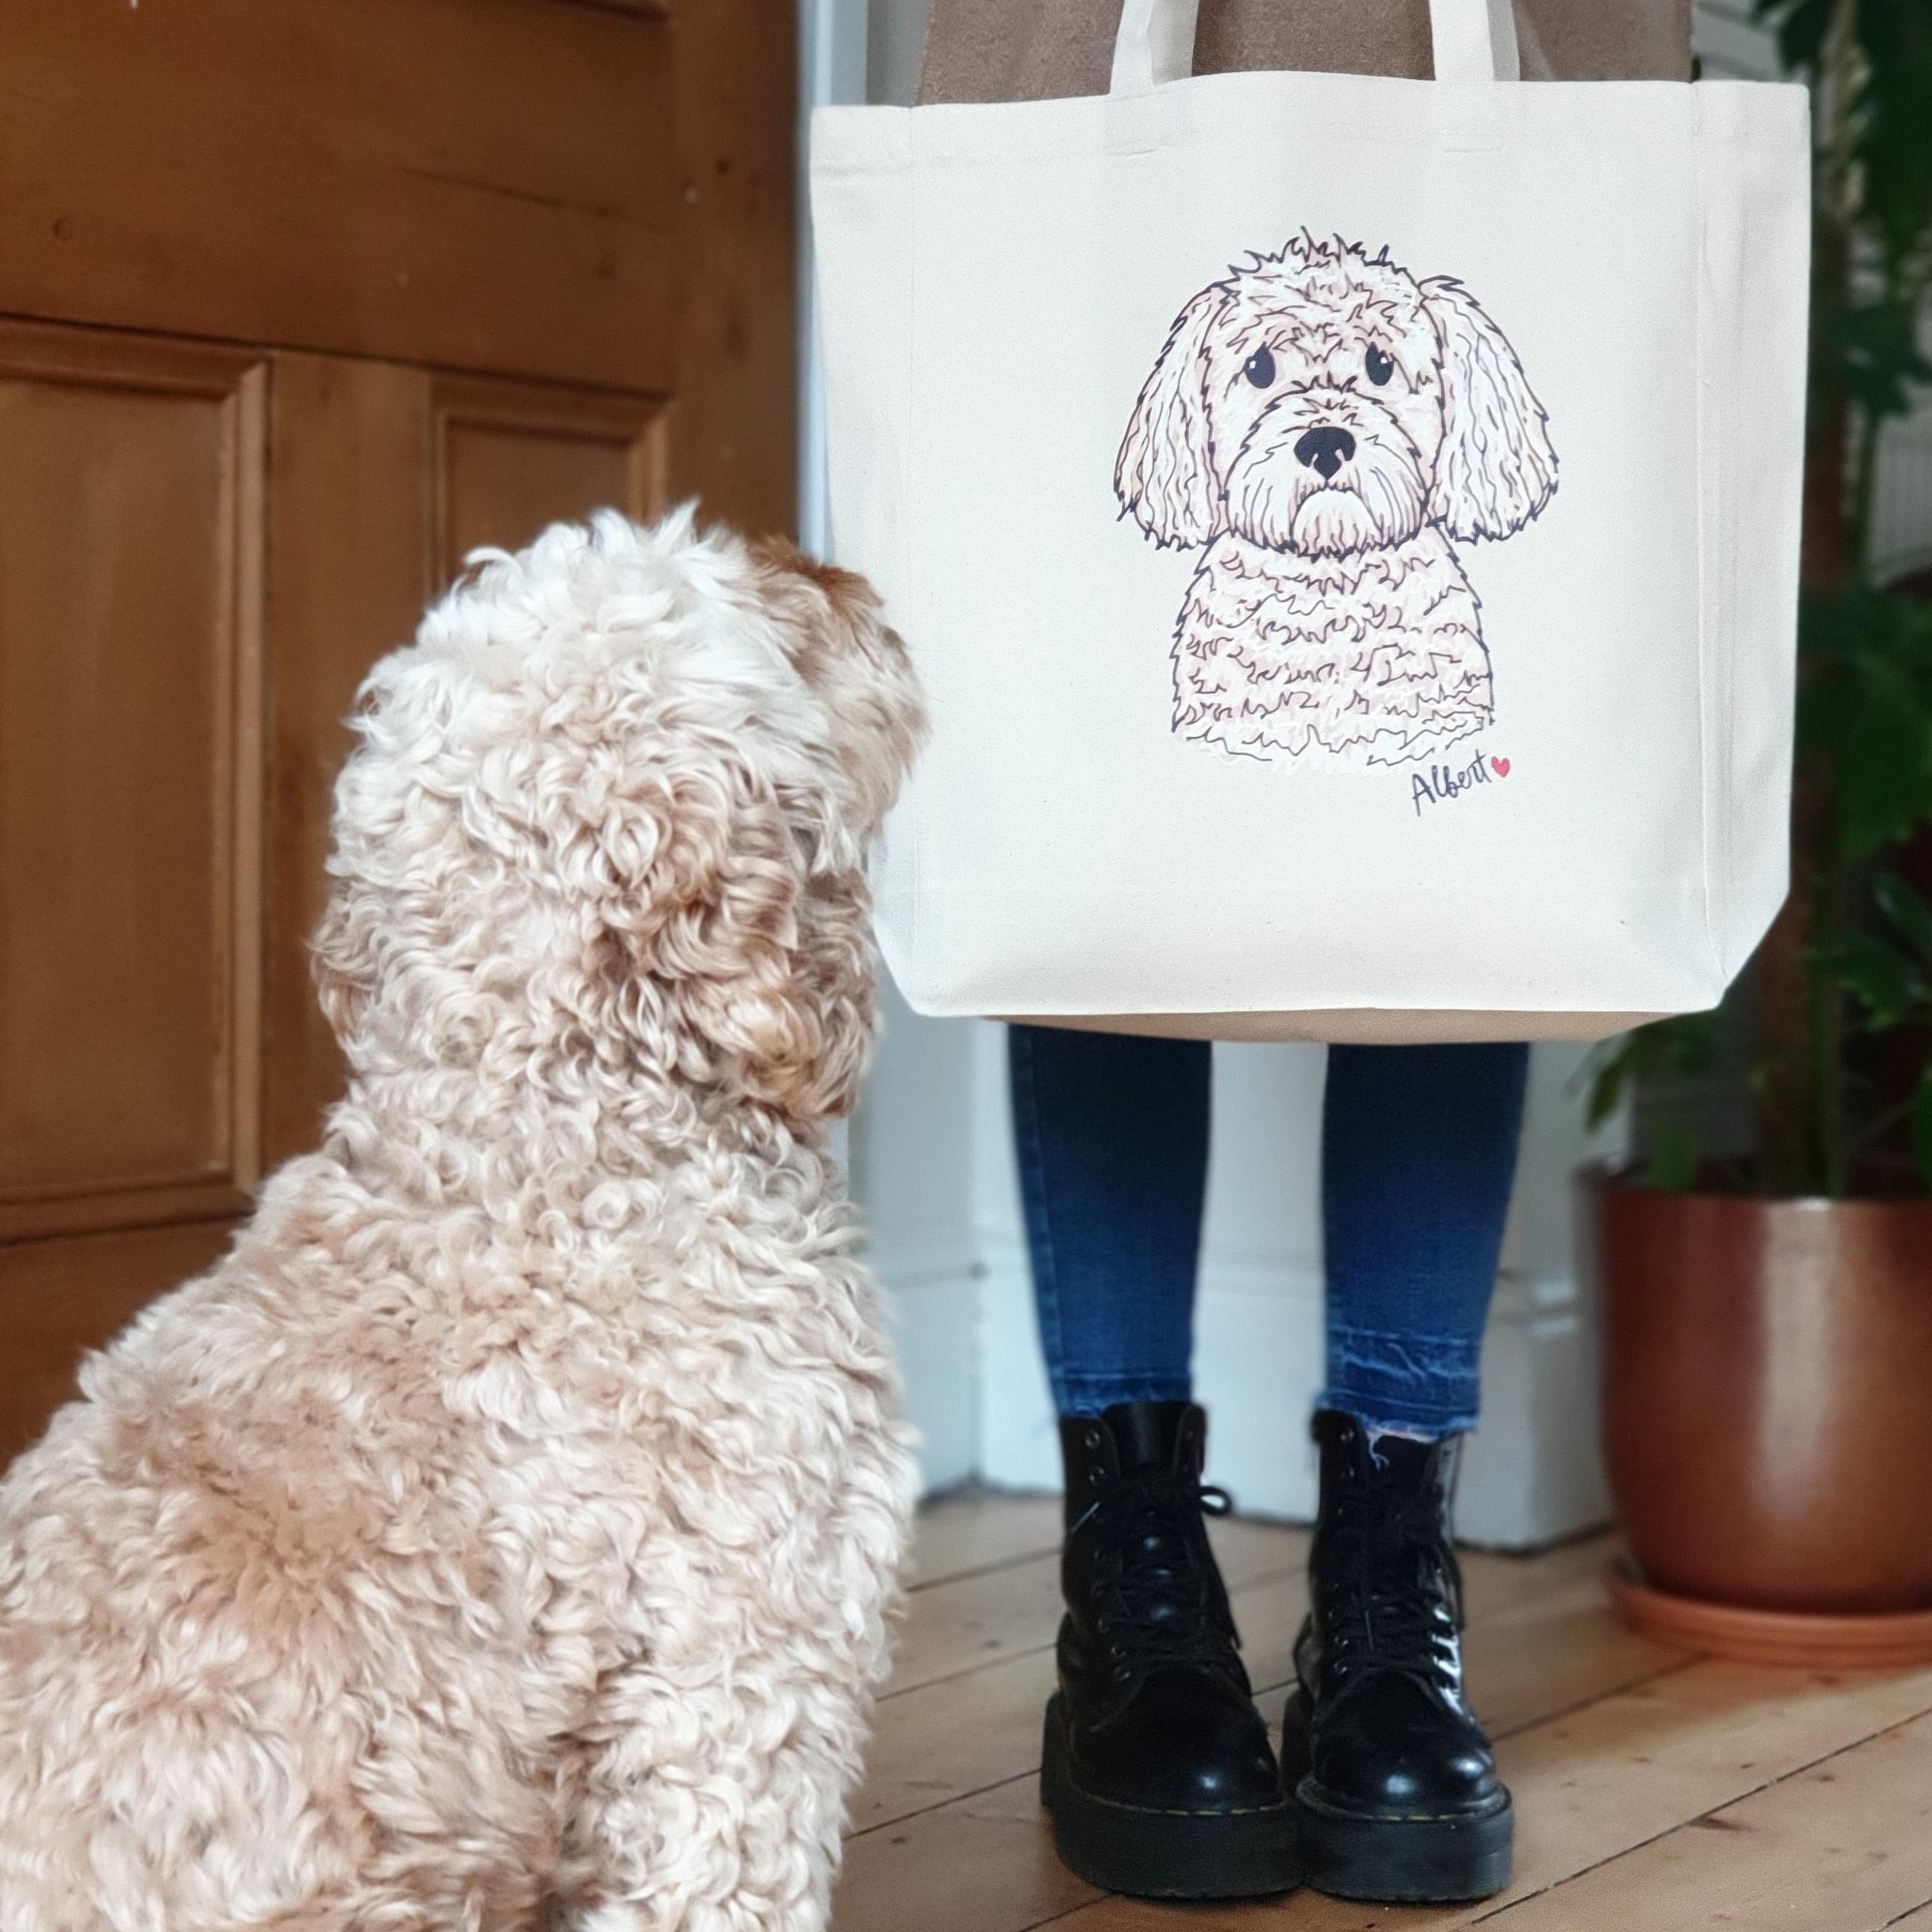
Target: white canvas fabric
(1347, 529)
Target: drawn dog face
(1319, 403)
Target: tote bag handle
(1474, 40)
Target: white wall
(1731, 44)
(915, 1164)
(896, 38)
(832, 36)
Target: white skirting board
(936, 1301)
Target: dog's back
(251, 1621)
(315, 1597)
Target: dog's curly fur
(1329, 616)
(504, 1535)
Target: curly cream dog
(1327, 425)
(503, 1535)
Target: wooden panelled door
(300, 301)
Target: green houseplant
(1768, 1311)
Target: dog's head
(1319, 402)
(609, 813)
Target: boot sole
(1384, 1861)
(1152, 1854)
(1381, 1858)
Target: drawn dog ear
(1164, 474)
(1497, 467)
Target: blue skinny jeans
(1419, 1146)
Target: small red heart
(1500, 766)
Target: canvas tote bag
(1347, 529)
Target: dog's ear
(1164, 476)
(834, 631)
(693, 876)
(727, 953)
(1496, 468)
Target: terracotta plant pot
(1767, 1394)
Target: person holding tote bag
(1157, 1766)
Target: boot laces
(1396, 1602)
(1167, 1606)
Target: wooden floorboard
(1844, 1844)
(1654, 1789)
(976, 1530)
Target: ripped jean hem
(1382, 1418)
(1408, 1385)
(1088, 1395)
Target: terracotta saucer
(1896, 1641)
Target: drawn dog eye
(1259, 368)
(1379, 367)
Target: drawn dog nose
(1324, 450)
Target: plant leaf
(1866, 702)
(1907, 911)
(1921, 1126)
(1887, 983)
(1671, 1159)
(1610, 1074)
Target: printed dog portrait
(1330, 427)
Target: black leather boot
(1396, 1795)
(1156, 1766)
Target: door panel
(386, 280)
(350, 568)
(61, 1297)
(131, 475)
(484, 184)
(734, 421)
(508, 458)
